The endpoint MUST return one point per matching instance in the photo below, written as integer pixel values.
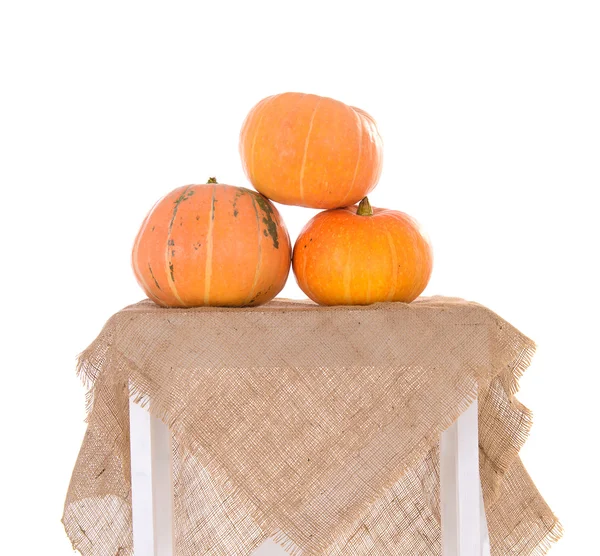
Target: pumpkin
(362, 255)
(212, 244)
(310, 151)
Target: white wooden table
(464, 525)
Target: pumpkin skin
(345, 258)
(310, 151)
(212, 245)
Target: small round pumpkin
(362, 255)
(212, 244)
(310, 151)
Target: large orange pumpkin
(212, 244)
(310, 151)
(361, 255)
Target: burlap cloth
(318, 426)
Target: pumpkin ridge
(360, 143)
(413, 229)
(209, 246)
(251, 296)
(394, 253)
(348, 275)
(239, 192)
(309, 291)
(148, 290)
(306, 142)
(170, 269)
(253, 147)
(136, 270)
(135, 254)
(177, 201)
(154, 277)
(268, 221)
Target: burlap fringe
(287, 544)
(553, 536)
(521, 364)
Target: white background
(490, 116)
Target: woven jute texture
(316, 426)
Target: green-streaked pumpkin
(212, 245)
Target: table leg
(464, 525)
(151, 484)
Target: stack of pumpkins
(220, 245)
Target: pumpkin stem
(364, 208)
(212, 180)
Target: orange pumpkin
(310, 151)
(359, 255)
(212, 244)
